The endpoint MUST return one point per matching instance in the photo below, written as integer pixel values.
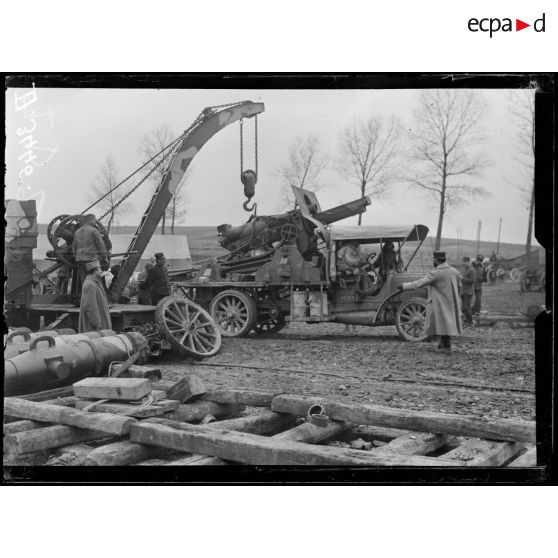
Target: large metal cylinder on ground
(60, 365)
(15, 345)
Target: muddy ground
(491, 372)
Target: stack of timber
(194, 425)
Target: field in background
(203, 244)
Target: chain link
(172, 147)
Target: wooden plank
(112, 388)
(264, 423)
(483, 453)
(122, 453)
(48, 394)
(47, 438)
(192, 412)
(252, 449)
(23, 426)
(439, 423)
(44, 412)
(415, 444)
(188, 388)
(251, 398)
(121, 409)
(527, 459)
(311, 433)
(196, 460)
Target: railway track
(386, 378)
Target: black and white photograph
(310, 274)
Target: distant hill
(202, 242)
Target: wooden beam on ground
(137, 411)
(252, 398)
(122, 453)
(23, 426)
(192, 412)
(196, 460)
(48, 438)
(252, 449)
(439, 423)
(527, 459)
(483, 453)
(44, 412)
(415, 444)
(48, 394)
(264, 423)
(311, 433)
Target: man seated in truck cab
(349, 257)
(387, 260)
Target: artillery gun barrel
(58, 365)
(20, 343)
(342, 211)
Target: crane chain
(171, 150)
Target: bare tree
(178, 207)
(305, 164)
(152, 143)
(105, 181)
(522, 108)
(446, 132)
(368, 150)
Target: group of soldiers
(92, 261)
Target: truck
(284, 268)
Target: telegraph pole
(478, 236)
(498, 246)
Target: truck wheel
(515, 275)
(271, 325)
(410, 319)
(188, 327)
(234, 312)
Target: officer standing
(467, 280)
(94, 312)
(443, 312)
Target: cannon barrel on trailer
(58, 365)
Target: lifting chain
(249, 177)
(170, 149)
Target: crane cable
(171, 147)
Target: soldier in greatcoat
(94, 313)
(443, 310)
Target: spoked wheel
(270, 325)
(411, 318)
(188, 327)
(234, 313)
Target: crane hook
(249, 179)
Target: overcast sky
(88, 124)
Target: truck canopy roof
(371, 234)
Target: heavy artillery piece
(284, 268)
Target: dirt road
(490, 373)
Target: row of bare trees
(108, 177)
(439, 154)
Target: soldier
(477, 287)
(88, 245)
(157, 280)
(94, 312)
(467, 280)
(349, 257)
(443, 312)
(386, 261)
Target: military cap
(92, 265)
(466, 259)
(480, 258)
(159, 255)
(439, 254)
